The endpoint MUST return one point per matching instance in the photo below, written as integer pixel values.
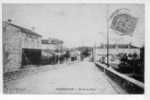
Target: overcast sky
(75, 24)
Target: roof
(119, 45)
(49, 51)
(52, 41)
(25, 30)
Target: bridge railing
(130, 84)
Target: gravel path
(74, 78)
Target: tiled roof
(25, 30)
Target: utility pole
(107, 21)
(94, 53)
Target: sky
(75, 24)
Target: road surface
(71, 78)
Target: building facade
(75, 55)
(17, 40)
(52, 44)
(52, 50)
(115, 50)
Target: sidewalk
(30, 69)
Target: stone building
(52, 48)
(52, 44)
(75, 54)
(119, 48)
(20, 46)
(115, 49)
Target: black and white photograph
(73, 48)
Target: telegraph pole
(107, 21)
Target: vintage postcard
(82, 48)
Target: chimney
(9, 20)
(33, 28)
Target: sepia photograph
(66, 48)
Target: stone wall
(31, 42)
(12, 50)
(14, 39)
